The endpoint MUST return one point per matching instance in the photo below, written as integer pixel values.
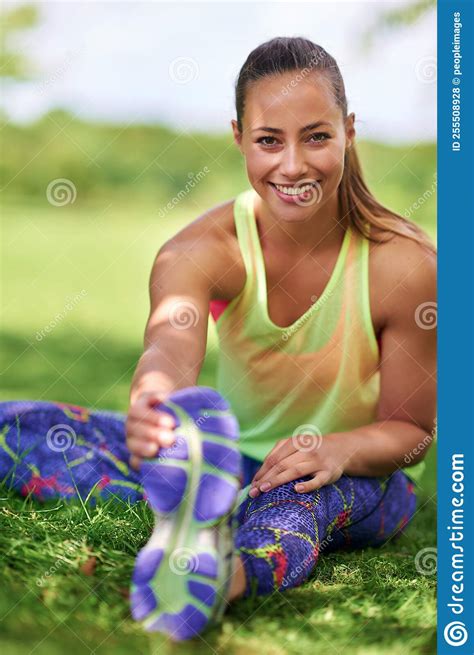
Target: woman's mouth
(302, 195)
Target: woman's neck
(320, 231)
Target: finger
(282, 465)
(153, 403)
(288, 469)
(151, 399)
(271, 473)
(282, 449)
(321, 479)
(145, 430)
(149, 415)
(292, 472)
(164, 419)
(135, 462)
(143, 447)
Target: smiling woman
(318, 286)
(273, 98)
(326, 367)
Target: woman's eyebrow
(276, 130)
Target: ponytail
(366, 215)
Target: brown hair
(364, 212)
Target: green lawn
(98, 261)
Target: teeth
(294, 191)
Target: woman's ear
(350, 129)
(237, 135)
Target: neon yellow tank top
(316, 376)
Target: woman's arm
(407, 405)
(199, 264)
(174, 346)
(176, 330)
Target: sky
(176, 63)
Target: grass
(66, 576)
(65, 572)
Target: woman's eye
(263, 138)
(322, 136)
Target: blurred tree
(14, 64)
(397, 18)
(408, 14)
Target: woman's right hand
(147, 429)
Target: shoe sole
(192, 488)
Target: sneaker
(182, 575)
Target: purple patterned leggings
(282, 533)
(50, 450)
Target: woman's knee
(277, 540)
(383, 509)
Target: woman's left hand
(322, 457)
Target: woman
(326, 373)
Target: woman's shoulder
(210, 240)
(402, 273)
(214, 224)
(396, 255)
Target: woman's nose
(293, 165)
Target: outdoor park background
(76, 260)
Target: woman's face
(293, 140)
